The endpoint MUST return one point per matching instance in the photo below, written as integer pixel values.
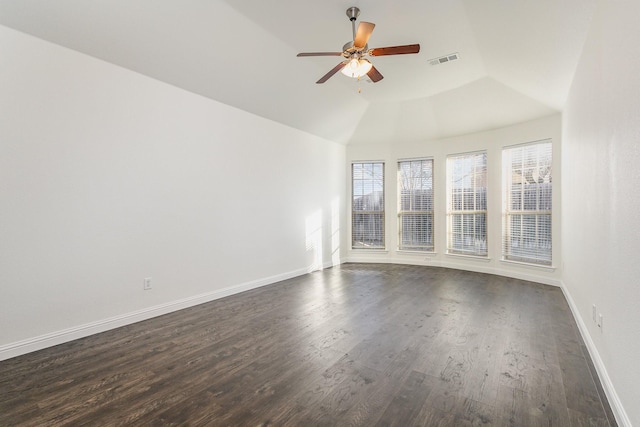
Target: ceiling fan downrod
(353, 13)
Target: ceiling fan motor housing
(348, 47)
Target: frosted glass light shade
(356, 68)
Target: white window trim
(375, 249)
(449, 213)
(430, 254)
(401, 213)
(480, 258)
(507, 212)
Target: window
(467, 204)
(526, 229)
(367, 221)
(415, 210)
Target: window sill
(370, 251)
(470, 257)
(549, 268)
(419, 253)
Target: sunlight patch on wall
(335, 232)
(314, 239)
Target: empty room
(252, 213)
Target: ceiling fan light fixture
(356, 68)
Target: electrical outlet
(593, 313)
(600, 322)
(147, 283)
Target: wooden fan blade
(395, 50)
(362, 35)
(334, 70)
(319, 54)
(375, 75)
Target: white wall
(601, 181)
(491, 141)
(108, 177)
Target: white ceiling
(517, 57)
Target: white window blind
(527, 192)
(415, 210)
(467, 204)
(367, 221)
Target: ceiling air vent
(447, 58)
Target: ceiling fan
(355, 52)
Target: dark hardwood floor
(359, 344)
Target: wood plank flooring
(359, 344)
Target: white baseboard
(614, 401)
(478, 266)
(328, 264)
(10, 350)
(18, 348)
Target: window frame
(536, 255)
(476, 250)
(375, 215)
(429, 215)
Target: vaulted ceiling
(517, 57)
